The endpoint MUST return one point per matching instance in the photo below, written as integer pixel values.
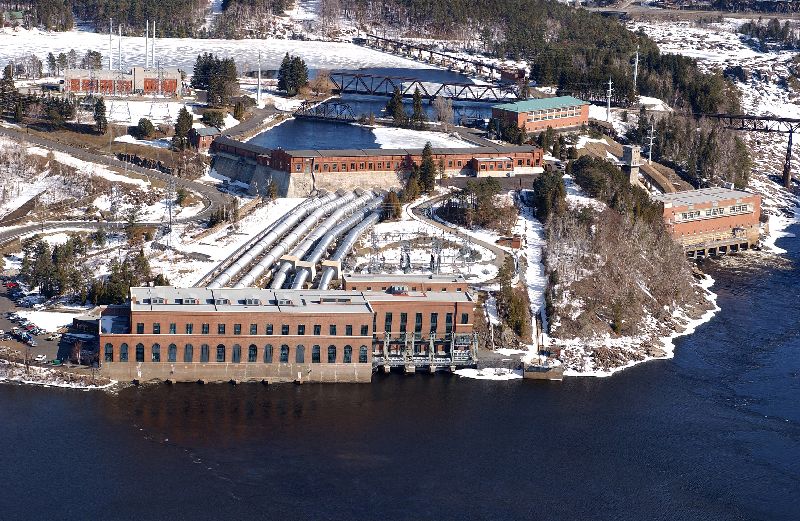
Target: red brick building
(166, 81)
(537, 114)
(713, 220)
(201, 138)
(255, 334)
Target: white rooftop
(702, 196)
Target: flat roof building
(712, 220)
(535, 115)
(139, 80)
(190, 334)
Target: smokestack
(258, 91)
(146, 41)
(110, 44)
(153, 46)
(119, 48)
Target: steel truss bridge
(768, 124)
(379, 85)
(332, 110)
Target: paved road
(420, 212)
(250, 125)
(213, 198)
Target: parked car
(41, 358)
(31, 342)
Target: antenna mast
(608, 101)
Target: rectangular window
(364, 330)
(434, 322)
(352, 166)
(155, 353)
(189, 329)
(332, 329)
(220, 329)
(284, 329)
(301, 329)
(173, 328)
(387, 323)
(220, 353)
(236, 354)
(252, 352)
(156, 328)
(204, 353)
(237, 329)
(317, 329)
(109, 354)
(418, 323)
(123, 353)
(269, 329)
(403, 322)
(348, 330)
(268, 354)
(204, 329)
(253, 329)
(448, 323)
(172, 353)
(465, 318)
(188, 353)
(140, 328)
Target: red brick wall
(712, 224)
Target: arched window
(155, 354)
(123, 352)
(188, 353)
(252, 352)
(268, 354)
(348, 354)
(315, 356)
(300, 354)
(362, 355)
(220, 353)
(236, 353)
(140, 352)
(109, 353)
(204, 353)
(331, 354)
(284, 354)
(172, 353)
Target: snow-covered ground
(389, 137)
(89, 168)
(157, 110)
(182, 52)
(50, 321)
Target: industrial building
(535, 115)
(165, 81)
(201, 138)
(709, 221)
(246, 334)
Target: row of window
(539, 116)
(237, 329)
(334, 167)
(221, 354)
(317, 328)
(714, 212)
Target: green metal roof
(541, 104)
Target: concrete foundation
(241, 372)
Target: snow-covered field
(50, 321)
(182, 52)
(389, 137)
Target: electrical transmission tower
(608, 101)
(651, 136)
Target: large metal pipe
(303, 273)
(259, 247)
(319, 232)
(346, 245)
(280, 249)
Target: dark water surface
(713, 434)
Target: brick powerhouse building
(138, 81)
(256, 334)
(535, 115)
(416, 282)
(515, 159)
(713, 220)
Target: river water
(320, 135)
(713, 434)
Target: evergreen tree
(283, 73)
(182, 128)
(427, 170)
(418, 116)
(238, 111)
(100, 121)
(393, 208)
(145, 129)
(292, 75)
(394, 108)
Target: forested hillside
(175, 18)
(574, 49)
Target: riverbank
(13, 371)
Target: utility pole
(153, 46)
(110, 44)
(636, 71)
(608, 101)
(119, 47)
(651, 136)
(258, 89)
(146, 42)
